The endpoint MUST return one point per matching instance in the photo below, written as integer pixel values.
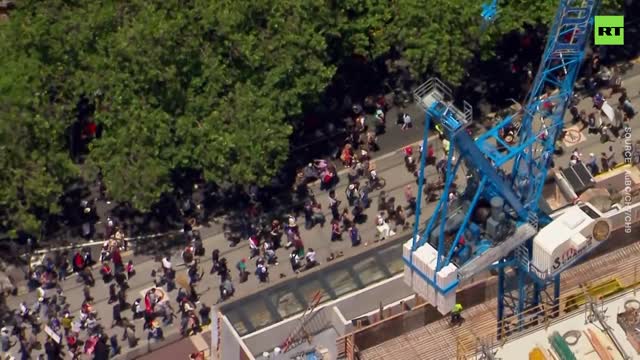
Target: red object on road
(147, 304)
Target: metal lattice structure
(488, 216)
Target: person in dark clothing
(215, 257)
(194, 277)
(354, 235)
(115, 347)
(117, 315)
(604, 162)
(121, 279)
(193, 294)
(223, 269)
(205, 312)
(334, 205)
(101, 350)
(170, 278)
(113, 295)
(86, 291)
(52, 350)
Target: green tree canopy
(435, 36)
(208, 85)
(204, 85)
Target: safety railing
(461, 350)
(430, 86)
(481, 329)
(346, 347)
(536, 317)
(440, 92)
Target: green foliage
(35, 166)
(205, 85)
(201, 84)
(435, 36)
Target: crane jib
(489, 216)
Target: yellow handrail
(540, 315)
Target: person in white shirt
(452, 197)
(384, 230)
(310, 259)
(166, 264)
(406, 121)
(24, 310)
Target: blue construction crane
(491, 208)
(489, 11)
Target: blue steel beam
(423, 162)
(445, 197)
(563, 56)
(541, 123)
(545, 138)
(463, 227)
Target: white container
(446, 276)
(578, 241)
(432, 266)
(555, 239)
(627, 216)
(424, 256)
(571, 236)
(419, 285)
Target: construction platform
(438, 340)
(583, 334)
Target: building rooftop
(290, 298)
(440, 341)
(585, 330)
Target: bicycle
(377, 183)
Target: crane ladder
(299, 334)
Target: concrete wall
(363, 305)
(337, 314)
(225, 342)
(268, 338)
(363, 301)
(339, 323)
(229, 343)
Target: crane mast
(491, 205)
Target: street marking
(573, 136)
(161, 293)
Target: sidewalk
(390, 167)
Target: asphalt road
(391, 167)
